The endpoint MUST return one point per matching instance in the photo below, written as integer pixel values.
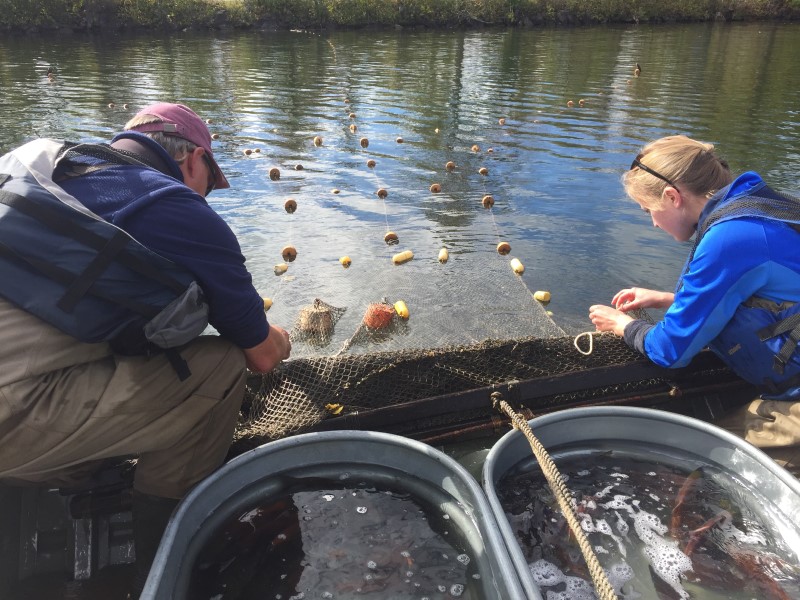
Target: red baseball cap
(181, 121)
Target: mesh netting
(304, 392)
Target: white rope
(590, 335)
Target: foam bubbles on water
(463, 559)
(328, 497)
(619, 501)
(603, 526)
(666, 559)
(604, 492)
(622, 526)
(545, 573)
(669, 563)
(618, 575)
(456, 590)
(579, 589)
(361, 509)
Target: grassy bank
(28, 15)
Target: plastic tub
(373, 457)
(606, 426)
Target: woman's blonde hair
(689, 164)
(176, 147)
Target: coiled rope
(590, 335)
(602, 586)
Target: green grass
(26, 15)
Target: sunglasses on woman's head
(637, 164)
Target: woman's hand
(606, 318)
(636, 298)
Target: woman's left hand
(606, 318)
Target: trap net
(475, 327)
(391, 315)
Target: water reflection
(554, 170)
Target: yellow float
(401, 309)
(402, 257)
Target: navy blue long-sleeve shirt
(169, 218)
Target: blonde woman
(739, 293)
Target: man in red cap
(71, 403)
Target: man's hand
(269, 353)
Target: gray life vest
(82, 274)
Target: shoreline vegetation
(26, 16)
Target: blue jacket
(735, 260)
(164, 215)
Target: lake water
(554, 170)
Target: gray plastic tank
(607, 425)
(370, 456)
